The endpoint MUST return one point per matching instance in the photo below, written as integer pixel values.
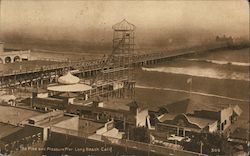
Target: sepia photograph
(124, 78)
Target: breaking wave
(201, 72)
(222, 62)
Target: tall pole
(190, 82)
(201, 147)
(190, 87)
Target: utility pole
(201, 147)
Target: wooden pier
(49, 73)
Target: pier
(48, 74)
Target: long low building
(209, 121)
(13, 55)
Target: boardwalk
(91, 67)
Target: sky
(90, 22)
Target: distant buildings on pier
(13, 55)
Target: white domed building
(70, 84)
(59, 95)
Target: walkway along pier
(49, 73)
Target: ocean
(211, 80)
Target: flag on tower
(189, 80)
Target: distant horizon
(88, 24)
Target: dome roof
(68, 79)
(124, 26)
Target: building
(71, 90)
(44, 122)
(184, 124)
(108, 133)
(208, 121)
(225, 116)
(177, 107)
(13, 55)
(123, 111)
(12, 138)
(72, 95)
(61, 94)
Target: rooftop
(201, 122)
(117, 104)
(54, 121)
(70, 88)
(124, 25)
(167, 116)
(19, 134)
(49, 119)
(121, 104)
(89, 126)
(14, 115)
(46, 115)
(68, 79)
(7, 129)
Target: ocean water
(217, 76)
(211, 80)
(226, 64)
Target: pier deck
(30, 72)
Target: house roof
(167, 116)
(200, 122)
